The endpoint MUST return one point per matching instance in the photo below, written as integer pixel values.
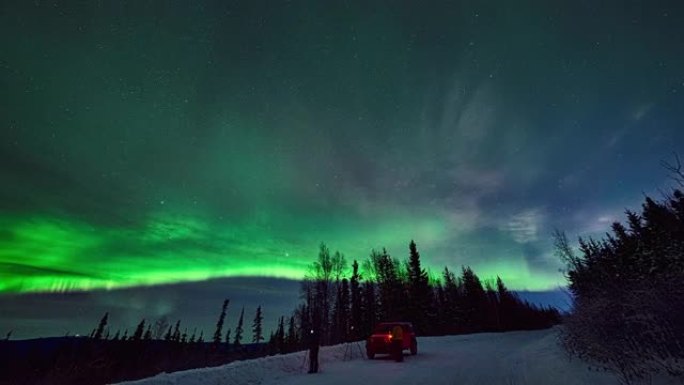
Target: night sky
(181, 144)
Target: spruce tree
(148, 333)
(439, 305)
(138, 335)
(101, 326)
(256, 326)
(176, 332)
(345, 308)
(370, 316)
(227, 336)
(390, 288)
(419, 289)
(508, 305)
(238, 329)
(291, 338)
(160, 325)
(219, 325)
(356, 310)
(475, 300)
(493, 309)
(341, 313)
(452, 303)
(271, 344)
(280, 336)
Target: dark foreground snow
(514, 358)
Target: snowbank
(256, 371)
(514, 358)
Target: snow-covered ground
(513, 358)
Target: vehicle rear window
(387, 328)
(383, 328)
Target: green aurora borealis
(145, 143)
(59, 255)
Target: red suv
(380, 342)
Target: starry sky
(149, 143)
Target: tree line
(346, 304)
(162, 330)
(628, 297)
(104, 357)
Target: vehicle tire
(414, 347)
(370, 354)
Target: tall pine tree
(341, 313)
(227, 336)
(169, 334)
(370, 308)
(280, 336)
(452, 303)
(419, 290)
(219, 325)
(356, 310)
(291, 338)
(148, 333)
(176, 336)
(475, 301)
(138, 334)
(101, 327)
(256, 326)
(238, 330)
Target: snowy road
(514, 358)
(508, 358)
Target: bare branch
(675, 169)
(564, 251)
